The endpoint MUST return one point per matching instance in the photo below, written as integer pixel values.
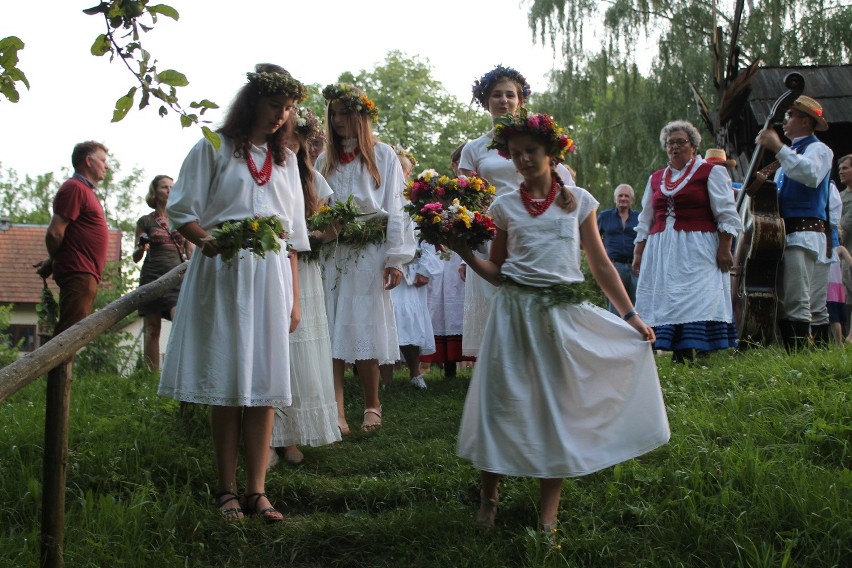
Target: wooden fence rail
(55, 356)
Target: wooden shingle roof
(21, 246)
(831, 85)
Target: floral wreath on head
(405, 153)
(352, 99)
(484, 84)
(307, 124)
(541, 126)
(270, 83)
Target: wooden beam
(25, 370)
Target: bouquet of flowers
(446, 208)
(257, 234)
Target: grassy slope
(757, 474)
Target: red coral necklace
(346, 157)
(265, 174)
(667, 178)
(537, 207)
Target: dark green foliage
(416, 112)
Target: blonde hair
(151, 196)
(360, 125)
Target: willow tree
(617, 112)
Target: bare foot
(293, 454)
(342, 426)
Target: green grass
(757, 474)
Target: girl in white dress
(502, 90)
(312, 418)
(358, 277)
(561, 388)
(226, 348)
(411, 302)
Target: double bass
(760, 246)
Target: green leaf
(99, 9)
(163, 110)
(101, 46)
(185, 121)
(167, 11)
(123, 105)
(16, 74)
(7, 89)
(172, 78)
(212, 137)
(203, 104)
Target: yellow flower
(418, 218)
(475, 183)
(443, 180)
(325, 209)
(436, 219)
(254, 226)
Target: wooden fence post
(55, 462)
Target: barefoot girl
(561, 388)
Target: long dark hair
(306, 169)
(239, 121)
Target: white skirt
(312, 418)
(561, 392)
(228, 345)
(361, 321)
(413, 320)
(477, 304)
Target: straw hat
(813, 109)
(718, 157)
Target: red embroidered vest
(691, 204)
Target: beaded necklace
(260, 178)
(667, 178)
(537, 207)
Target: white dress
(446, 298)
(360, 312)
(225, 347)
(501, 173)
(562, 391)
(312, 418)
(411, 304)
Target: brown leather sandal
(269, 514)
(369, 427)
(230, 514)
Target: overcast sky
(72, 93)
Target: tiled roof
(22, 246)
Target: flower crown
(484, 84)
(268, 83)
(307, 124)
(405, 153)
(352, 99)
(542, 126)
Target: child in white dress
(561, 388)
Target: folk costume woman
(683, 249)
(502, 90)
(312, 417)
(359, 275)
(228, 347)
(163, 249)
(561, 388)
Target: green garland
(552, 296)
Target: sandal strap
(231, 497)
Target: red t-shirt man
(77, 236)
